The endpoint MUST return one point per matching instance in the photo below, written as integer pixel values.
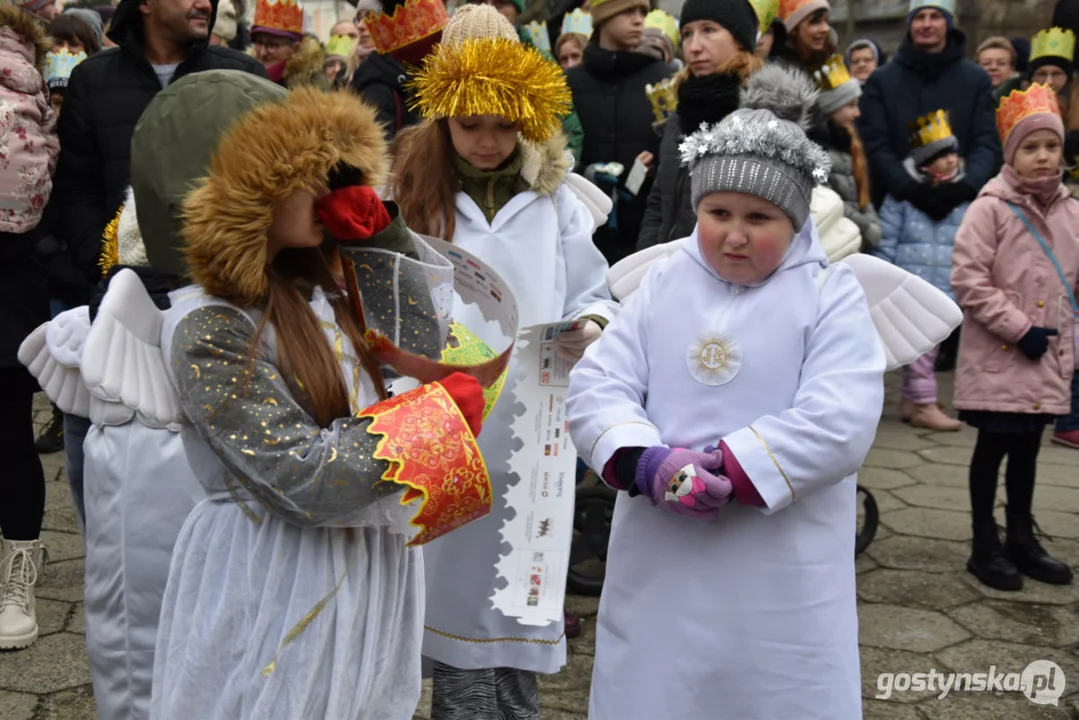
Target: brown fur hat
(271, 152)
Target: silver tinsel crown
(758, 133)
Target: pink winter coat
(1006, 284)
(28, 142)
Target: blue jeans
(75, 429)
(1071, 422)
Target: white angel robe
(282, 614)
(545, 253)
(752, 615)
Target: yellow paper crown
(340, 46)
(284, 15)
(664, 98)
(578, 21)
(665, 24)
(1019, 105)
(766, 12)
(1053, 42)
(832, 74)
(494, 76)
(930, 128)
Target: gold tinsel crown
(1053, 42)
(494, 76)
(664, 98)
(832, 74)
(930, 128)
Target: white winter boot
(20, 563)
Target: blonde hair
(997, 42)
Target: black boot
(51, 438)
(988, 562)
(1023, 549)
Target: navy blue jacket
(913, 84)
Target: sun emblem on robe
(714, 359)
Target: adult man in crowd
(929, 73)
(614, 110)
(159, 41)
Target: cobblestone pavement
(919, 609)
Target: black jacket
(668, 214)
(105, 97)
(380, 81)
(913, 84)
(609, 97)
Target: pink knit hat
(1041, 121)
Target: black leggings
(22, 481)
(989, 451)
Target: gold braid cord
(110, 244)
(494, 76)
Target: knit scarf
(1042, 189)
(707, 99)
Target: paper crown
(283, 15)
(494, 76)
(1019, 105)
(340, 46)
(786, 9)
(947, 6)
(930, 128)
(578, 22)
(766, 10)
(58, 66)
(1053, 42)
(831, 74)
(410, 22)
(665, 24)
(538, 36)
(664, 98)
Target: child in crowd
(767, 392)
(1016, 274)
(921, 246)
(487, 170)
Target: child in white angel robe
(738, 392)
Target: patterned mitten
(686, 481)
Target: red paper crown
(410, 23)
(1019, 105)
(284, 15)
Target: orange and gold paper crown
(930, 128)
(1019, 105)
(832, 74)
(411, 22)
(284, 15)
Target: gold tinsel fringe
(110, 244)
(494, 76)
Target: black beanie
(737, 16)
(1066, 15)
(1063, 63)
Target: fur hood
(27, 26)
(271, 152)
(305, 65)
(544, 166)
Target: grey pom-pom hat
(761, 149)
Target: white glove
(571, 345)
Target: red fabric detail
(276, 72)
(610, 471)
(468, 394)
(353, 213)
(745, 492)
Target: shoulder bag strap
(1049, 253)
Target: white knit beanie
(471, 22)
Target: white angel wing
(911, 316)
(52, 354)
(625, 275)
(594, 199)
(122, 361)
(839, 236)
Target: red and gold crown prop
(1019, 105)
(284, 15)
(410, 23)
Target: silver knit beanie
(761, 149)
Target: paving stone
(53, 465)
(895, 459)
(1033, 591)
(51, 616)
(978, 655)
(881, 710)
(1062, 475)
(17, 706)
(586, 643)
(876, 478)
(54, 662)
(423, 710)
(929, 523)
(988, 706)
(864, 564)
(902, 552)
(935, 496)
(1024, 623)
(887, 501)
(76, 620)
(902, 628)
(877, 662)
(59, 511)
(62, 581)
(1057, 455)
(1054, 497)
(965, 437)
(948, 455)
(917, 589)
(563, 715)
(948, 475)
(582, 605)
(892, 437)
(1059, 524)
(576, 676)
(63, 545)
(74, 704)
